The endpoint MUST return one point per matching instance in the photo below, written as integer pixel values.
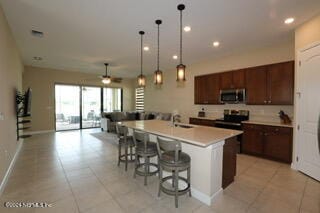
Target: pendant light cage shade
(181, 68)
(158, 75)
(181, 72)
(106, 79)
(141, 80)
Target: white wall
(173, 96)
(11, 69)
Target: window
(112, 99)
(140, 99)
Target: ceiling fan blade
(116, 80)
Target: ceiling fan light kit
(106, 79)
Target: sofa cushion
(130, 116)
(117, 116)
(166, 116)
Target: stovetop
(235, 116)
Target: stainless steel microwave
(233, 96)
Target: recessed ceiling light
(216, 43)
(146, 48)
(37, 33)
(175, 57)
(289, 20)
(187, 28)
(37, 58)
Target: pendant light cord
(158, 47)
(141, 53)
(180, 36)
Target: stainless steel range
(232, 119)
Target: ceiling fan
(107, 79)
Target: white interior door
(308, 111)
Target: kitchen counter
(268, 123)
(205, 146)
(197, 135)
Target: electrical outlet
(1, 116)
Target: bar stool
(146, 150)
(172, 159)
(126, 142)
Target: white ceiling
(80, 35)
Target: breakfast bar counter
(208, 148)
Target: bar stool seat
(168, 159)
(151, 149)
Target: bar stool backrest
(140, 137)
(165, 145)
(122, 132)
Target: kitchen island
(208, 147)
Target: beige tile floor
(77, 172)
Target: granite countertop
(269, 123)
(198, 135)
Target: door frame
(80, 101)
(296, 135)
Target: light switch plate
(1, 116)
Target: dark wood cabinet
(268, 141)
(256, 85)
(280, 83)
(229, 162)
(265, 85)
(206, 89)
(232, 80)
(201, 121)
(270, 84)
(252, 140)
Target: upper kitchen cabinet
(206, 89)
(256, 85)
(232, 80)
(270, 84)
(280, 83)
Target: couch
(109, 120)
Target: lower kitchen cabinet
(268, 141)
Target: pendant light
(106, 79)
(141, 77)
(181, 68)
(158, 76)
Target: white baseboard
(39, 132)
(9, 170)
(203, 197)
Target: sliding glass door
(91, 107)
(79, 107)
(67, 107)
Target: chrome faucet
(176, 119)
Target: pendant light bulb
(158, 75)
(181, 68)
